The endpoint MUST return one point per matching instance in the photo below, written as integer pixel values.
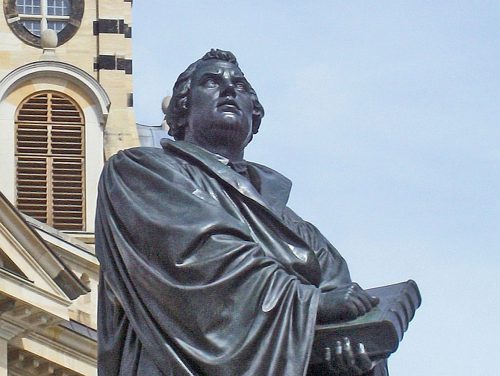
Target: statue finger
(351, 310)
(364, 362)
(339, 363)
(365, 299)
(374, 300)
(350, 358)
(354, 287)
(360, 306)
(328, 360)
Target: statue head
(181, 105)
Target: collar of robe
(262, 184)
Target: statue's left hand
(348, 362)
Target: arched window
(50, 160)
(29, 18)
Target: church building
(66, 105)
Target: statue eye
(241, 85)
(210, 82)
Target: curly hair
(178, 108)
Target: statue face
(221, 106)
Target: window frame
(15, 21)
(44, 18)
(45, 169)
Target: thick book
(380, 330)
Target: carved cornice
(24, 363)
(25, 318)
(9, 330)
(39, 345)
(20, 233)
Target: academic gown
(203, 272)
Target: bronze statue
(204, 269)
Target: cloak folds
(202, 271)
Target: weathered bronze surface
(204, 269)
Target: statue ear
(183, 103)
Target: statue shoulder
(141, 156)
(142, 162)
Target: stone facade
(49, 278)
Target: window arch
(50, 160)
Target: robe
(205, 271)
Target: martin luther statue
(204, 268)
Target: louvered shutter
(50, 161)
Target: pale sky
(385, 115)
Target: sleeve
(198, 293)
(334, 270)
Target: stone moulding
(39, 255)
(55, 69)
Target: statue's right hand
(344, 303)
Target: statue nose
(228, 90)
